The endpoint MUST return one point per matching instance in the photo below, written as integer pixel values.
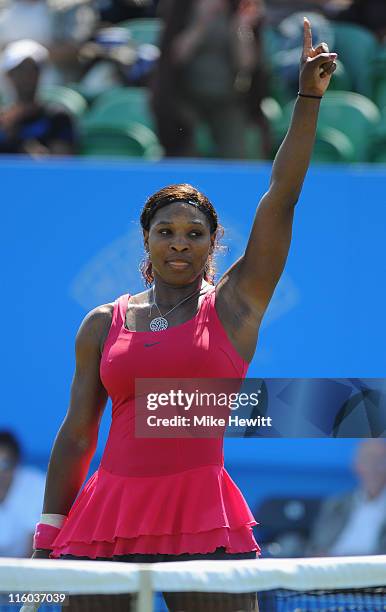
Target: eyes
(168, 232)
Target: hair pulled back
(184, 193)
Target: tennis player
(171, 499)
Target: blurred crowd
(353, 522)
(19, 484)
(179, 78)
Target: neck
(169, 295)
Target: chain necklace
(160, 323)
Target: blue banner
(71, 240)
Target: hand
(316, 65)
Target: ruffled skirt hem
(195, 511)
(238, 541)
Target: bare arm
(76, 440)
(257, 272)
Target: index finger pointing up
(307, 39)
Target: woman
(158, 500)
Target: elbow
(287, 196)
(293, 201)
(291, 197)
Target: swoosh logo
(152, 343)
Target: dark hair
(182, 192)
(8, 439)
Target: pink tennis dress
(169, 496)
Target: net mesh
(356, 584)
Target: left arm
(255, 275)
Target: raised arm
(76, 440)
(255, 275)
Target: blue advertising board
(71, 240)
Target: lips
(178, 264)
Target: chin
(180, 277)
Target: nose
(179, 245)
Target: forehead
(180, 212)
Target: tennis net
(354, 584)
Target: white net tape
(91, 577)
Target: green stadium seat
(271, 109)
(380, 156)
(380, 92)
(350, 113)
(378, 141)
(357, 48)
(271, 44)
(355, 116)
(273, 112)
(332, 145)
(379, 76)
(144, 31)
(203, 141)
(66, 97)
(123, 104)
(125, 140)
(83, 91)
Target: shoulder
(140, 298)
(95, 326)
(98, 316)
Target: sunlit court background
(71, 240)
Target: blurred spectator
(61, 26)
(211, 70)
(368, 13)
(114, 11)
(111, 59)
(29, 126)
(280, 9)
(21, 499)
(355, 523)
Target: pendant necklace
(160, 323)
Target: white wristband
(56, 520)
